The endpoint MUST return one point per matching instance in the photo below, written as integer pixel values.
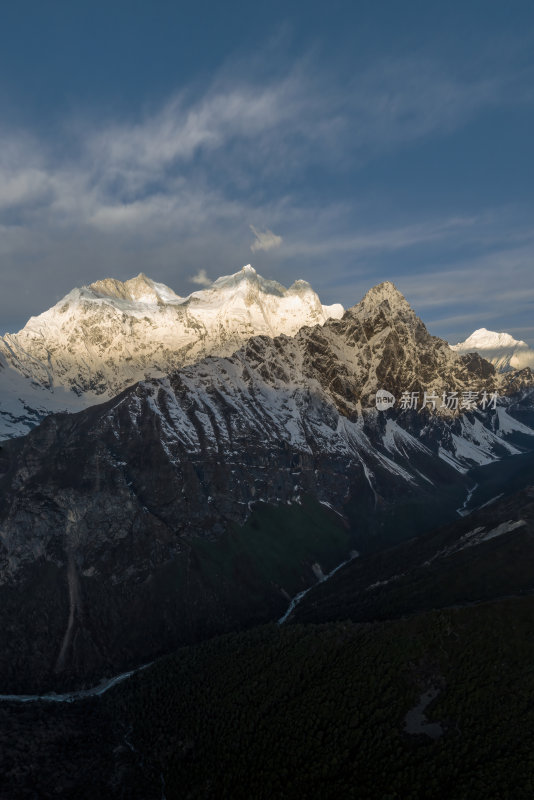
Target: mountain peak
(483, 339)
(247, 280)
(385, 292)
(140, 289)
(498, 347)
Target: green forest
(318, 710)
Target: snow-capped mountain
(104, 337)
(501, 349)
(136, 504)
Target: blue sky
(344, 143)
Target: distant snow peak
(484, 339)
(501, 349)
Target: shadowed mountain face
(202, 502)
(485, 556)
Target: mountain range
(100, 339)
(202, 501)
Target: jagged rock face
(381, 343)
(102, 338)
(102, 513)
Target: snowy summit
(101, 338)
(504, 352)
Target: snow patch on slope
(476, 537)
(23, 403)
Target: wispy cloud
(264, 240)
(201, 278)
(384, 239)
(403, 100)
(233, 133)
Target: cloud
(176, 185)
(201, 278)
(226, 141)
(264, 240)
